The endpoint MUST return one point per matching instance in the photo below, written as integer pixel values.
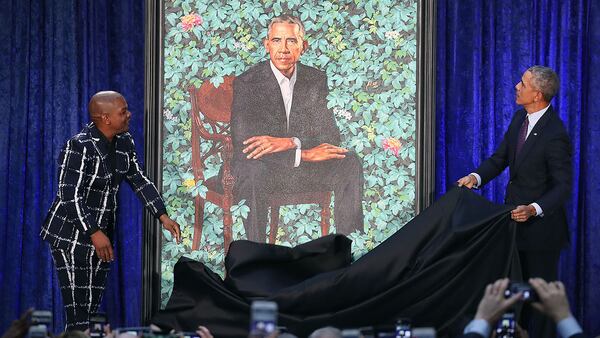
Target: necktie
(522, 135)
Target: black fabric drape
(433, 270)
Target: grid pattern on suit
(86, 199)
(82, 279)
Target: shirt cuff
(298, 151)
(160, 213)
(568, 327)
(479, 326)
(478, 180)
(538, 209)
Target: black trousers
(256, 179)
(540, 264)
(82, 278)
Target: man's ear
(105, 119)
(304, 46)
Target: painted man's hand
(323, 152)
(468, 181)
(258, 146)
(103, 246)
(522, 213)
(171, 226)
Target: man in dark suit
(285, 138)
(537, 151)
(80, 223)
(553, 302)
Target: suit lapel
(531, 140)
(102, 154)
(299, 97)
(272, 92)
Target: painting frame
(153, 122)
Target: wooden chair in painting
(211, 116)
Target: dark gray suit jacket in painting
(541, 173)
(86, 200)
(258, 109)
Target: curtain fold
(54, 56)
(483, 48)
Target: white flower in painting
(168, 115)
(342, 113)
(239, 45)
(392, 35)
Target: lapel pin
(534, 134)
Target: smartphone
(527, 290)
(385, 331)
(403, 328)
(423, 332)
(351, 333)
(189, 334)
(506, 326)
(40, 324)
(263, 318)
(98, 323)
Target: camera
(40, 323)
(97, 324)
(403, 328)
(528, 292)
(505, 328)
(424, 332)
(263, 318)
(351, 333)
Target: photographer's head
(326, 332)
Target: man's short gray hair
(545, 80)
(286, 18)
(326, 332)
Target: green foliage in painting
(368, 50)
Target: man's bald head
(101, 103)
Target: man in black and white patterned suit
(80, 223)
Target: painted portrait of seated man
(286, 139)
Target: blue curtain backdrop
(54, 56)
(483, 48)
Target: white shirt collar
(534, 118)
(282, 78)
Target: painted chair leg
(274, 224)
(198, 222)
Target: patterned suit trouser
(82, 278)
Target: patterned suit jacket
(86, 200)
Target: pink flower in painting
(190, 21)
(392, 144)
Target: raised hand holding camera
(552, 299)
